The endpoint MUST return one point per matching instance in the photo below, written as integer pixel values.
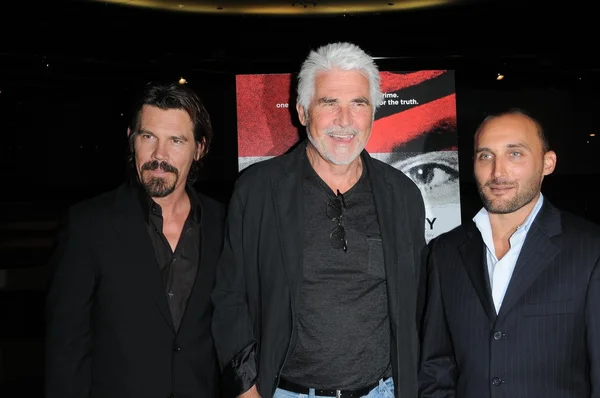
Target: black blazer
(109, 329)
(260, 271)
(544, 343)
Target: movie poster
(414, 130)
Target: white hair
(343, 56)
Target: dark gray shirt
(343, 330)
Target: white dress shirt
(500, 271)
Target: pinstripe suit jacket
(544, 343)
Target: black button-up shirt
(177, 268)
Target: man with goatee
(128, 307)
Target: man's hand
(251, 393)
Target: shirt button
(176, 348)
(170, 396)
(497, 335)
(496, 381)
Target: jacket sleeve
(592, 320)
(236, 345)
(68, 313)
(438, 370)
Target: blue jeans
(385, 389)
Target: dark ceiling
(94, 39)
(107, 31)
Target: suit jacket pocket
(550, 308)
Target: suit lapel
(474, 261)
(287, 194)
(537, 253)
(131, 232)
(397, 244)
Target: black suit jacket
(260, 271)
(544, 343)
(109, 328)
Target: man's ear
(200, 149)
(128, 132)
(549, 162)
(301, 114)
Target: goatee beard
(159, 187)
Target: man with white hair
(319, 283)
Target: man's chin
(345, 159)
(158, 187)
(344, 156)
(499, 207)
(160, 194)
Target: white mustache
(349, 131)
